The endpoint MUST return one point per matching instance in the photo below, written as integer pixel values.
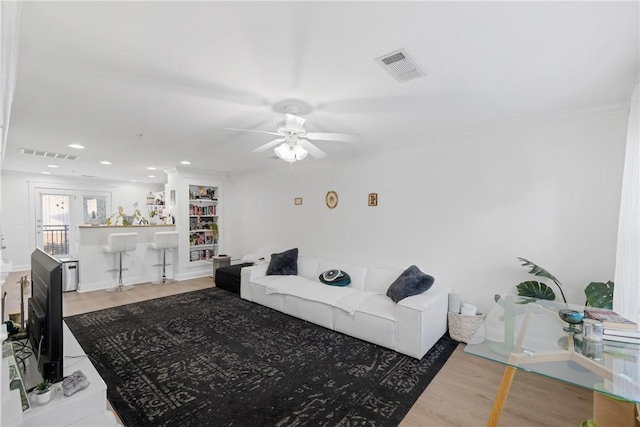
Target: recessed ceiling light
(52, 166)
(46, 173)
(151, 168)
(105, 162)
(77, 146)
(151, 176)
(185, 162)
(134, 180)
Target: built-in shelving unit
(195, 202)
(203, 222)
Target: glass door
(55, 221)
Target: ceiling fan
(293, 142)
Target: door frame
(72, 212)
(35, 186)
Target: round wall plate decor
(332, 199)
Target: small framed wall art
(297, 201)
(373, 199)
(331, 199)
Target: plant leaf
(600, 294)
(536, 290)
(536, 270)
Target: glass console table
(528, 334)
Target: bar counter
(125, 226)
(94, 263)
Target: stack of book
(616, 327)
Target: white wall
(462, 209)
(18, 218)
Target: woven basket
(462, 327)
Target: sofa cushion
(379, 279)
(335, 277)
(284, 264)
(351, 302)
(412, 281)
(378, 305)
(316, 291)
(308, 267)
(282, 284)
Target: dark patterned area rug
(208, 358)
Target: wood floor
(460, 395)
(78, 303)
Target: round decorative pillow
(335, 278)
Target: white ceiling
(151, 83)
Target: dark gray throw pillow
(284, 264)
(412, 281)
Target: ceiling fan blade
(312, 149)
(268, 145)
(323, 136)
(255, 131)
(294, 122)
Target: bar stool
(163, 240)
(119, 243)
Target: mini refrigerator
(69, 274)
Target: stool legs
(164, 264)
(120, 286)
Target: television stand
(61, 410)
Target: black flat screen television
(45, 315)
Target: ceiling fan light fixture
(290, 153)
(300, 152)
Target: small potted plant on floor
(43, 392)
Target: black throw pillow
(412, 281)
(284, 264)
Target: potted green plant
(154, 217)
(43, 392)
(539, 290)
(599, 294)
(137, 216)
(214, 231)
(118, 218)
(122, 218)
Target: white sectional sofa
(361, 309)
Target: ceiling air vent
(41, 153)
(401, 65)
